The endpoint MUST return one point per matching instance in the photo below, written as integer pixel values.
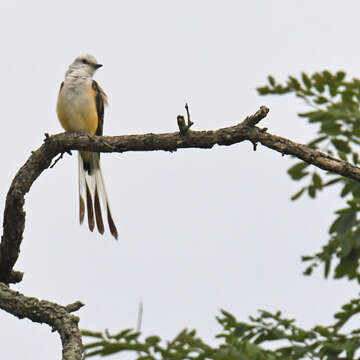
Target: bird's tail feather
(101, 187)
(81, 179)
(92, 187)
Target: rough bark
(42, 311)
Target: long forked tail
(92, 191)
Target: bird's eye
(84, 61)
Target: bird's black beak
(96, 66)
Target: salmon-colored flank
(85, 119)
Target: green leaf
(348, 97)
(333, 181)
(346, 245)
(94, 334)
(344, 222)
(342, 156)
(322, 330)
(341, 145)
(95, 344)
(328, 76)
(355, 158)
(340, 75)
(316, 141)
(300, 351)
(312, 191)
(346, 307)
(297, 171)
(294, 83)
(120, 335)
(298, 194)
(348, 187)
(346, 267)
(306, 80)
(264, 90)
(278, 89)
(330, 127)
(321, 100)
(271, 80)
(308, 113)
(319, 82)
(356, 130)
(317, 181)
(152, 340)
(350, 347)
(241, 329)
(229, 317)
(319, 116)
(308, 271)
(327, 267)
(132, 336)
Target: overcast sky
(199, 230)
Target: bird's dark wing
(101, 101)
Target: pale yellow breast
(76, 110)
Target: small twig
(139, 319)
(74, 306)
(181, 123)
(47, 138)
(183, 127)
(60, 157)
(254, 119)
(190, 123)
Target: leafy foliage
(334, 104)
(240, 340)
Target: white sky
(199, 230)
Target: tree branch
(14, 215)
(57, 316)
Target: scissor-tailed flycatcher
(80, 107)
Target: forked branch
(14, 215)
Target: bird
(80, 108)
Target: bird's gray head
(83, 66)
